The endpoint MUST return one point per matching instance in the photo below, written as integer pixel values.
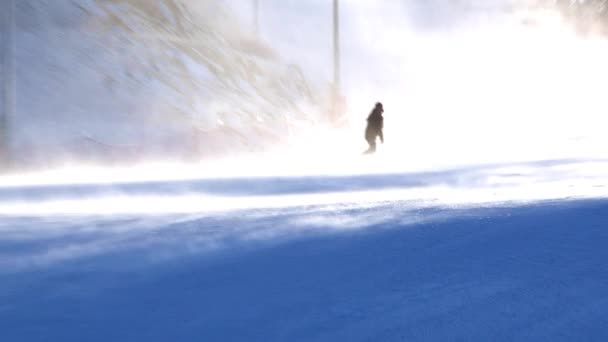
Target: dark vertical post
(9, 76)
(336, 96)
(256, 16)
(336, 45)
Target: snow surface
(505, 252)
(481, 219)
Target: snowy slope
(481, 219)
(130, 79)
(501, 253)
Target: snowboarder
(375, 124)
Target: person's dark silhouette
(375, 124)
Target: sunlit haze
(485, 88)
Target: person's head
(379, 106)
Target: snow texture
(489, 254)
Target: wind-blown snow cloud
(44, 225)
(125, 81)
(460, 80)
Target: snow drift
(130, 79)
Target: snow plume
(474, 81)
(166, 219)
(127, 80)
(462, 81)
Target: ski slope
(495, 252)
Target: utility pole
(256, 16)
(336, 45)
(9, 84)
(337, 105)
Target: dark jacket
(375, 124)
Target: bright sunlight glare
(503, 94)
